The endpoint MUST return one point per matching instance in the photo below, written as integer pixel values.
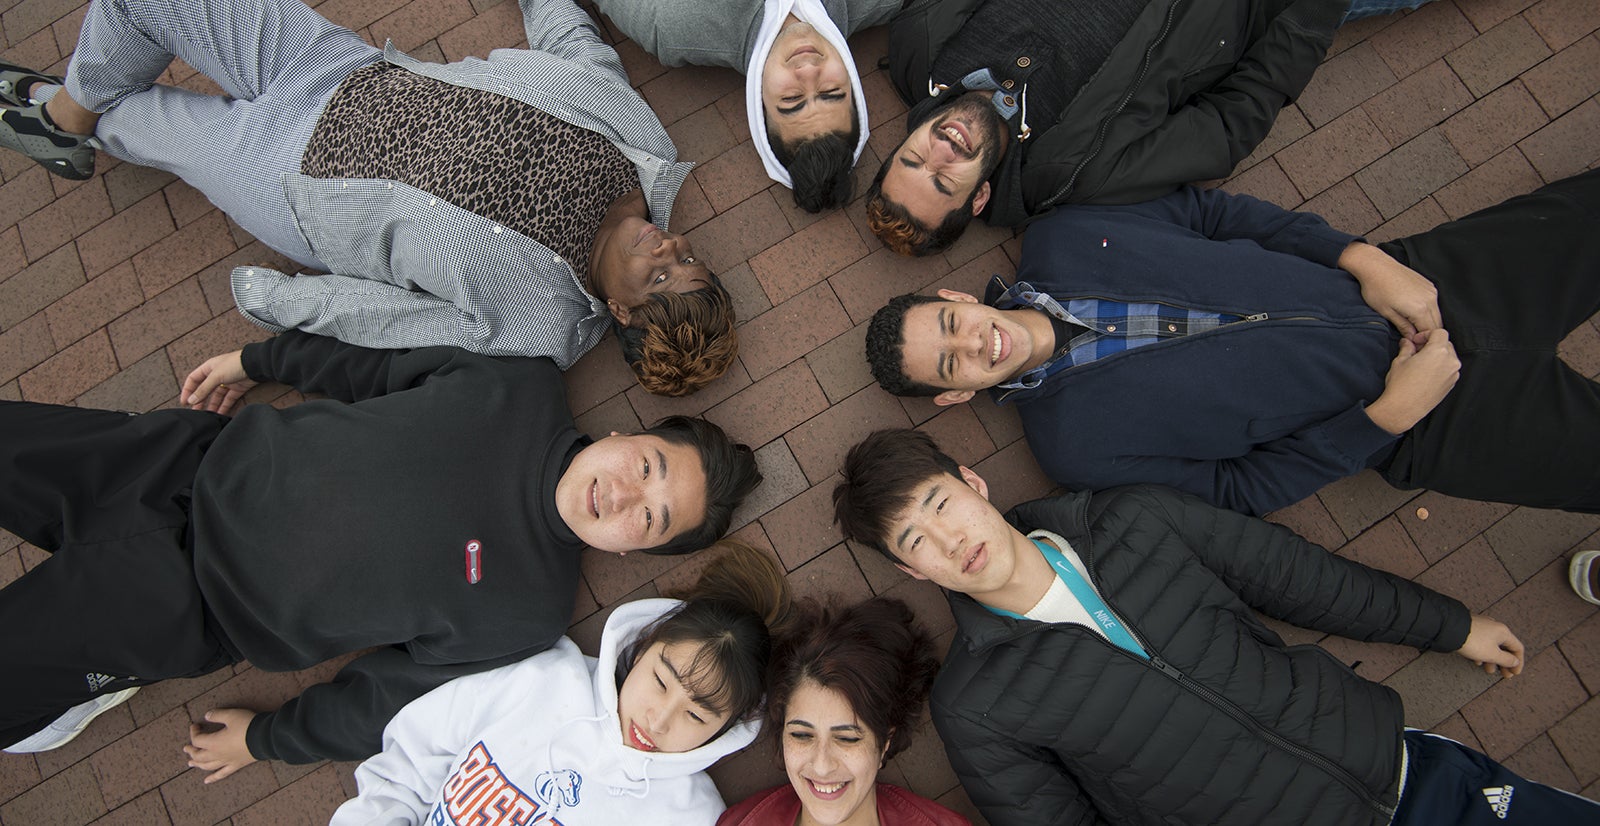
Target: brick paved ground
(112, 289)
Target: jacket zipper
(1105, 125)
(1245, 320)
(1228, 707)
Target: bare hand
(1492, 645)
(218, 384)
(1419, 378)
(1400, 294)
(221, 752)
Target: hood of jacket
(622, 766)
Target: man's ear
(980, 199)
(975, 481)
(957, 295)
(950, 397)
(618, 312)
(911, 572)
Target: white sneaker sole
(1578, 575)
(71, 724)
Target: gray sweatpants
(278, 61)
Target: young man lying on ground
(1108, 666)
(436, 505)
(1250, 355)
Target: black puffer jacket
(1186, 94)
(1051, 724)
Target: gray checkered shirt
(410, 270)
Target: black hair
(886, 344)
(730, 613)
(731, 474)
(820, 166)
(880, 476)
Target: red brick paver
(113, 289)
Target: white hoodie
(537, 742)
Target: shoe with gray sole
(71, 724)
(27, 130)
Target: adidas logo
(97, 680)
(1499, 798)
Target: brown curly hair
(677, 343)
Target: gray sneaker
(27, 130)
(71, 724)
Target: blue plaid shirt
(1112, 327)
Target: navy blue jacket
(1251, 416)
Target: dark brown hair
(873, 653)
(677, 343)
(895, 227)
(731, 613)
(880, 475)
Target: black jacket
(328, 528)
(1186, 94)
(1051, 724)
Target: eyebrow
(841, 727)
(671, 669)
(666, 510)
(932, 492)
(944, 356)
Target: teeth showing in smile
(639, 735)
(994, 351)
(956, 138)
(594, 498)
(827, 788)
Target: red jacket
(780, 806)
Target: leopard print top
(491, 155)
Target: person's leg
(1514, 279)
(116, 604)
(1520, 426)
(1521, 274)
(1373, 8)
(1447, 782)
(277, 59)
(247, 46)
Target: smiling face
(629, 493)
(805, 86)
(961, 345)
(946, 160)
(831, 757)
(657, 710)
(634, 258)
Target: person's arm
(317, 364)
(1208, 134)
(561, 28)
(399, 784)
(1011, 782)
(1285, 576)
(1399, 293)
(381, 315)
(1225, 216)
(1269, 476)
